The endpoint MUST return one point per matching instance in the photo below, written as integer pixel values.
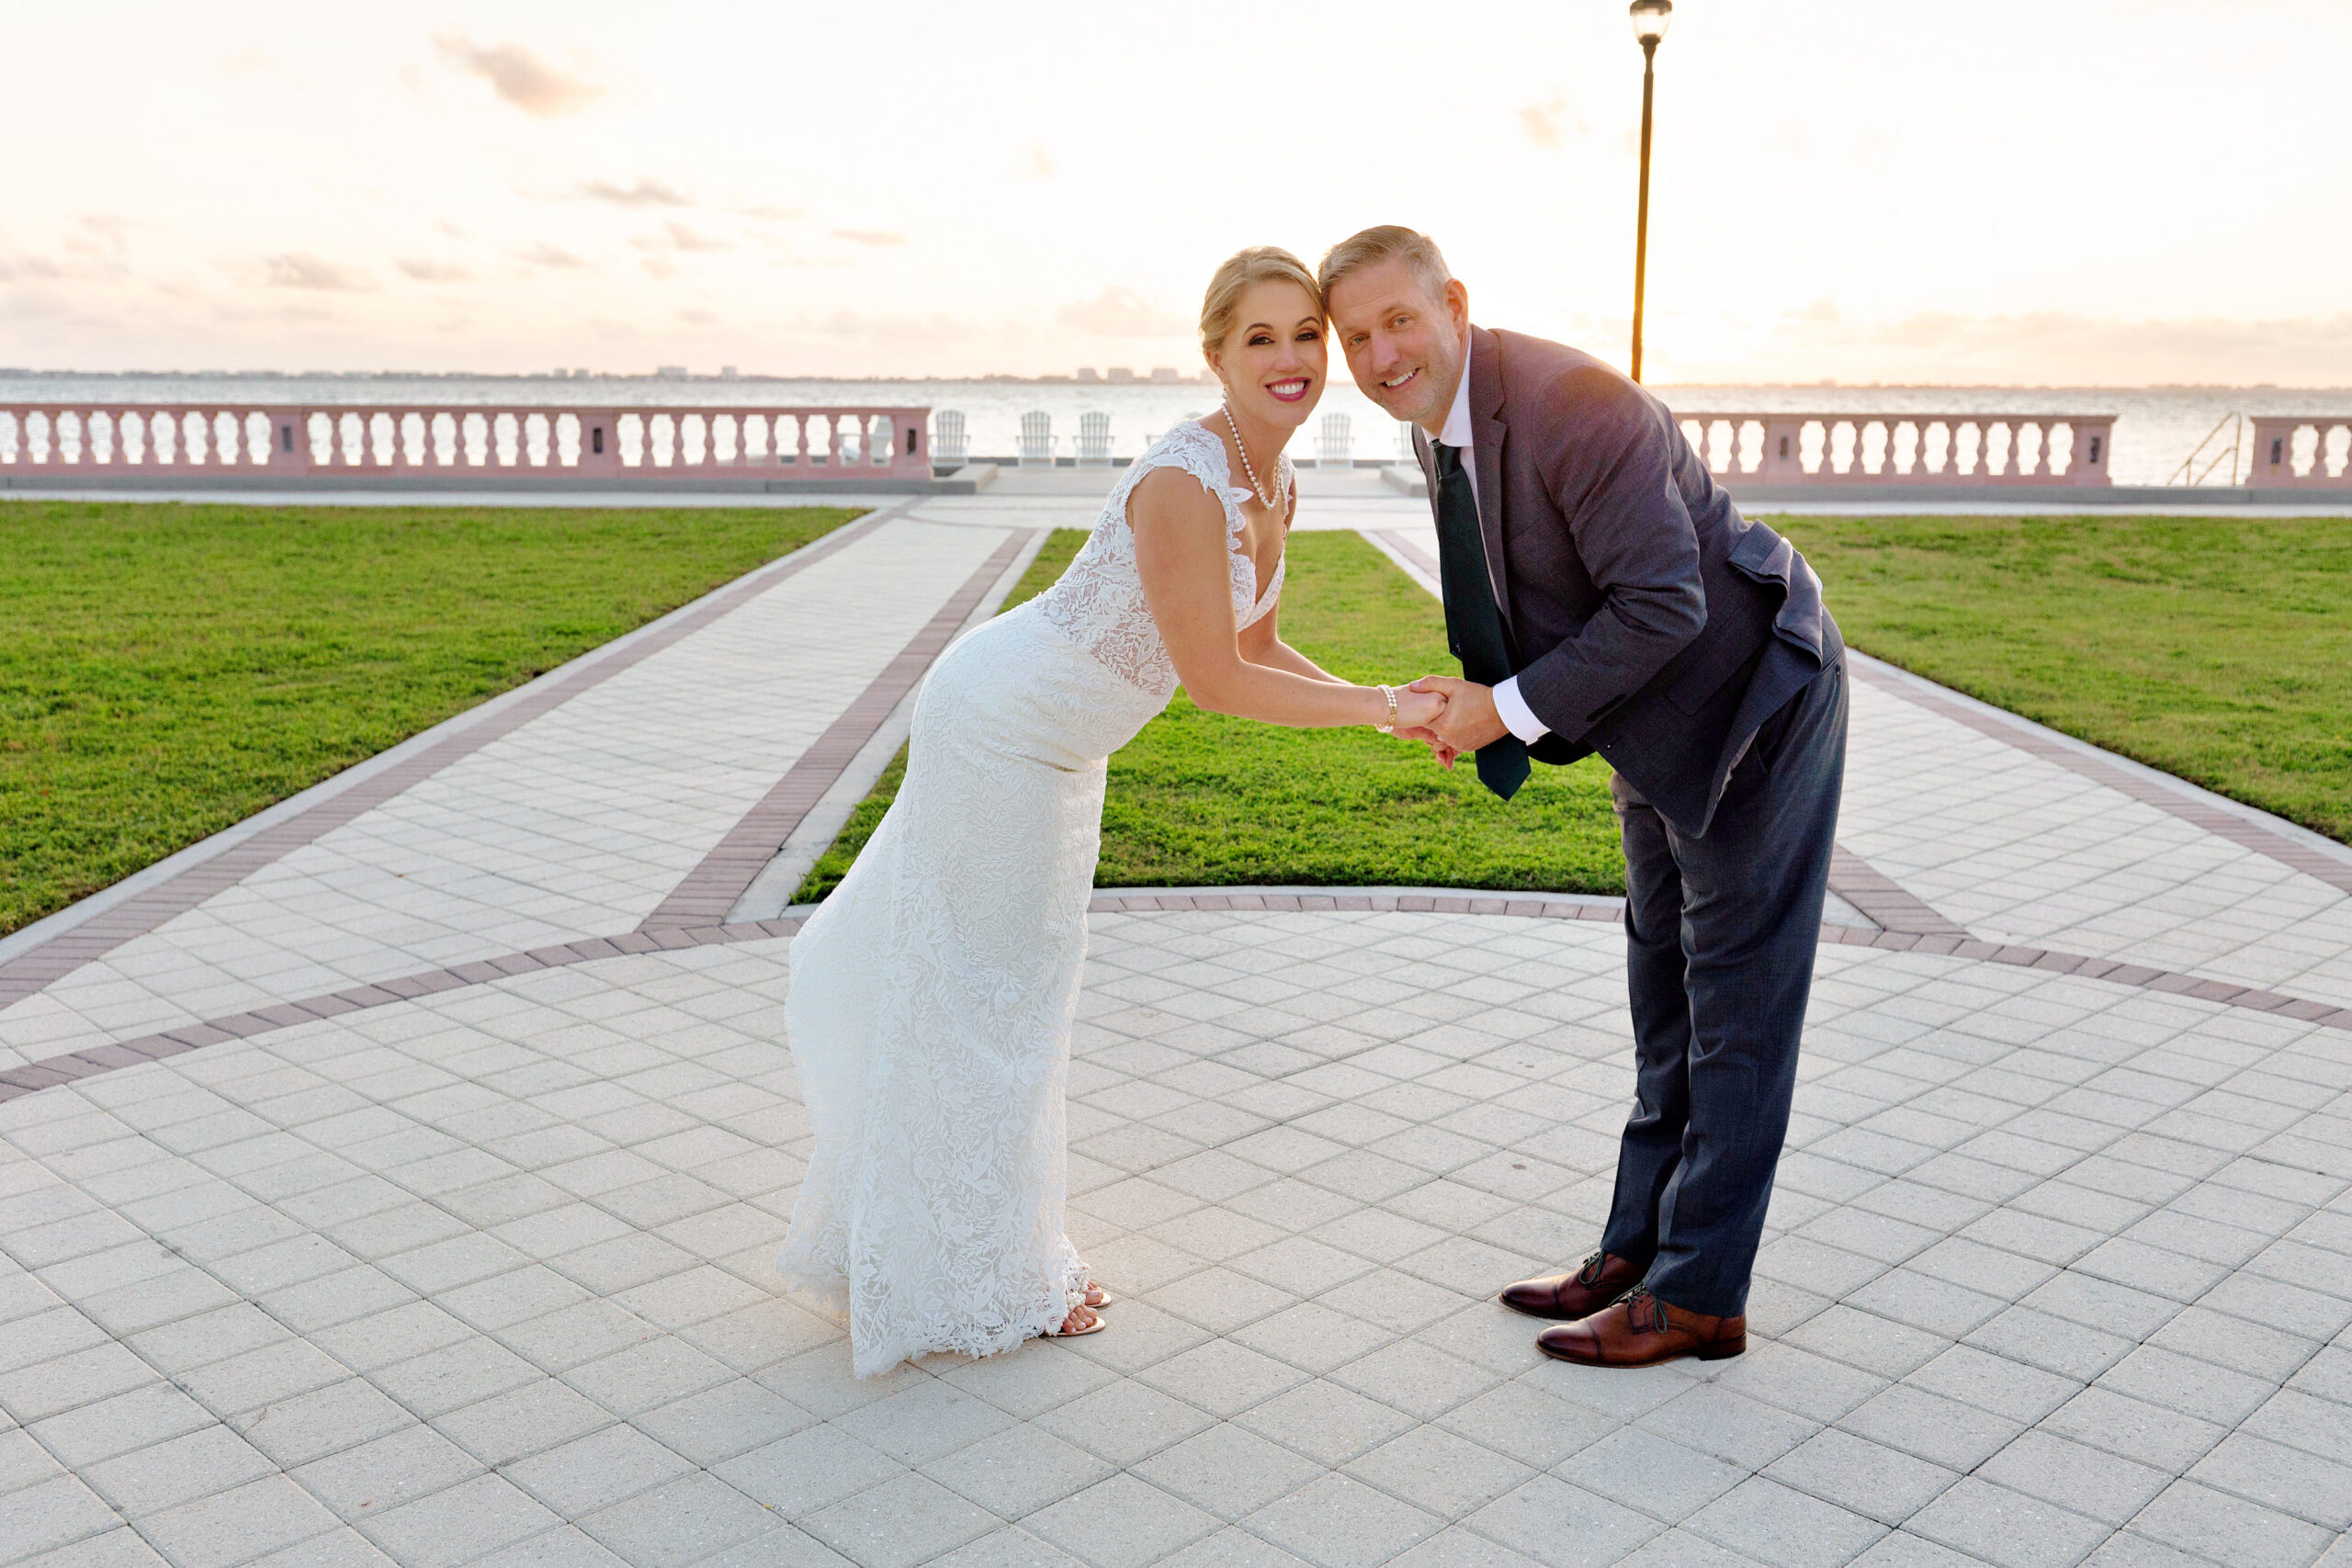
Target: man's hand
(1469, 720)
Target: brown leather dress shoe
(1642, 1331)
(1603, 1279)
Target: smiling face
(1403, 347)
(1274, 360)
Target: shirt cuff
(1516, 715)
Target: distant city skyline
(2128, 193)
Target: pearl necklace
(1243, 448)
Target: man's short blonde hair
(1373, 246)
(1232, 279)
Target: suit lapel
(1487, 432)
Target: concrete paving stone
(1796, 1380)
(2073, 1476)
(1336, 1522)
(105, 1427)
(809, 1470)
(1007, 1548)
(1122, 1522)
(2005, 1527)
(655, 1372)
(120, 1547)
(1439, 1473)
(54, 1513)
(1124, 1422)
(720, 1423)
(237, 1525)
(679, 1522)
(1646, 1471)
(1227, 1471)
(2229, 1529)
(307, 1426)
(2022, 1392)
(1776, 1525)
(2185, 1383)
(924, 1422)
(1223, 1378)
(1016, 1471)
(1327, 1423)
(1930, 1427)
(590, 1473)
(2279, 1478)
(456, 1375)
(2316, 1426)
(1730, 1426)
(1558, 1524)
(376, 1477)
(1860, 1476)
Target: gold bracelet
(1390, 727)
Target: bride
(933, 993)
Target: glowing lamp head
(1651, 18)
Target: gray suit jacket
(1647, 620)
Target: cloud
(426, 271)
(875, 237)
(520, 77)
(545, 254)
(647, 192)
(1548, 125)
(698, 315)
(1041, 165)
(248, 62)
(685, 239)
(1120, 312)
(17, 267)
(772, 214)
(300, 269)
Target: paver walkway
(405, 1175)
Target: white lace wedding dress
(933, 993)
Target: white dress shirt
(1509, 705)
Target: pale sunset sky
(2115, 192)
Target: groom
(1603, 595)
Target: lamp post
(1650, 21)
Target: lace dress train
(933, 994)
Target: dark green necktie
(1474, 627)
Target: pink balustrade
(2300, 452)
(1832, 450)
(66, 440)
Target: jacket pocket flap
(1763, 554)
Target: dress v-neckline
(1260, 588)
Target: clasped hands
(1463, 719)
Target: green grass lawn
(1206, 799)
(2218, 650)
(166, 671)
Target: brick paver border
(29, 972)
(712, 888)
(93, 1060)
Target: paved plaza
(397, 1177)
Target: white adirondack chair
(1037, 440)
(950, 445)
(1335, 448)
(1094, 441)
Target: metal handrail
(2189, 474)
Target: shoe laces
(1640, 1304)
(1590, 1272)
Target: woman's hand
(1418, 710)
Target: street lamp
(1651, 18)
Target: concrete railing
(1830, 450)
(2302, 452)
(102, 440)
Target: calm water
(2157, 427)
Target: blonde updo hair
(1232, 279)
